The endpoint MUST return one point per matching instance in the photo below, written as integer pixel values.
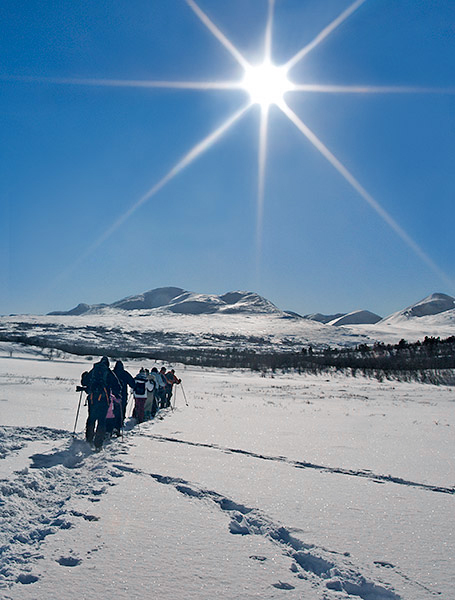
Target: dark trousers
(124, 402)
(168, 396)
(139, 406)
(95, 428)
(162, 397)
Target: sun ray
(190, 157)
(262, 159)
(133, 83)
(218, 34)
(367, 89)
(362, 192)
(324, 33)
(268, 33)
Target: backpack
(139, 386)
(85, 379)
(98, 379)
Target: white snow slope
(357, 317)
(293, 487)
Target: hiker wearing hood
(100, 383)
(140, 395)
(126, 379)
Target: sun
(266, 84)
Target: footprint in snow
(86, 517)
(27, 578)
(69, 561)
(282, 585)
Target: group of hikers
(107, 397)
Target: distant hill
(178, 300)
(153, 299)
(357, 317)
(171, 319)
(80, 309)
(431, 306)
(320, 318)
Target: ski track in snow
(36, 503)
(322, 567)
(307, 465)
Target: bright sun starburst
(266, 84)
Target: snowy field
(293, 487)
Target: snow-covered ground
(159, 329)
(295, 487)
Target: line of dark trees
(431, 360)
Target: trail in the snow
(322, 567)
(307, 465)
(35, 501)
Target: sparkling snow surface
(293, 487)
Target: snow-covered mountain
(178, 300)
(432, 305)
(323, 318)
(173, 319)
(357, 317)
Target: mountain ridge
(178, 300)
(186, 320)
(431, 305)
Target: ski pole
(184, 395)
(175, 398)
(78, 406)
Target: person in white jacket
(150, 407)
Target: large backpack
(98, 379)
(139, 386)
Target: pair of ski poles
(184, 395)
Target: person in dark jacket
(171, 381)
(126, 379)
(163, 387)
(100, 382)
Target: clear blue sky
(75, 158)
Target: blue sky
(76, 158)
